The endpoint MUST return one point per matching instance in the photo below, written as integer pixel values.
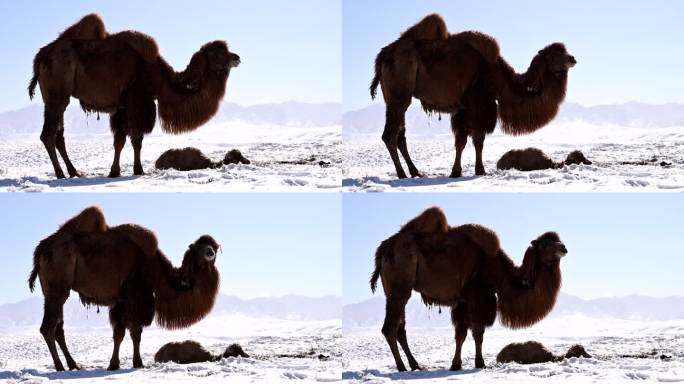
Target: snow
(25, 358)
(367, 358)
(25, 166)
(366, 165)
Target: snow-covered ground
(367, 357)
(25, 358)
(25, 166)
(366, 165)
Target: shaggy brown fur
(189, 351)
(465, 76)
(532, 352)
(460, 268)
(533, 159)
(189, 158)
(186, 159)
(123, 75)
(122, 268)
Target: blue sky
(619, 244)
(273, 243)
(626, 49)
(290, 50)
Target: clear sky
(290, 50)
(627, 50)
(619, 244)
(273, 243)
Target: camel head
(200, 256)
(576, 157)
(212, 58)
(549, 249)
(556, 59)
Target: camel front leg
(478, 142)
(54, 114)
(401, 337)
(478, 336)
(136, 141)
(136, 336)
(118, 333)
(117, 122)
(461, 331)
(461, 138)
(393, 310)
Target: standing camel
(464, 75)
(123, 74)
(466, 269)
(121, 268)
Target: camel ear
(534, 242)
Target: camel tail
(40, 250)
(34, 79)
(378, 71)
(383, 252)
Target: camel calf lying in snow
(189, 159)
(532, 352)
(533, 159)
(189, 351)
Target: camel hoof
(417, 174)
(455, 367)
(114, 174)
(74, 367)
(60, 175)
(455, 175)
(479, 364)
(138, 172)
(417, 367)
(113, 367)
(480, 172)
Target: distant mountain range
(30, 119)
(371, 120)
(292, 307)
(372, 312)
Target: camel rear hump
(143, 44)
(144, 238)
(486, 45)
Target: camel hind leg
(61, 341)
(54, 302)
(461, 331)
(403, 148)
(141, 116)
(394, 122)
(394, 309)
(61, 147)
(54, 116)
(401, 337)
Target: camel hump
(90, 27)
(430, 27)
(486, 45)
(141, 236)
(432, 219)
(484, 237)
(90, 219)
(144, 44)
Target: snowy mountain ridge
(29, 312)
(634, 307)
(370, 120)
(290, 114)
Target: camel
(464, 268)
(533, 159)
(121, 267)
(190, 351)
(189, 158)
(532, 352)
(122, 74)
(465, 76)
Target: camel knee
(390, 138)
